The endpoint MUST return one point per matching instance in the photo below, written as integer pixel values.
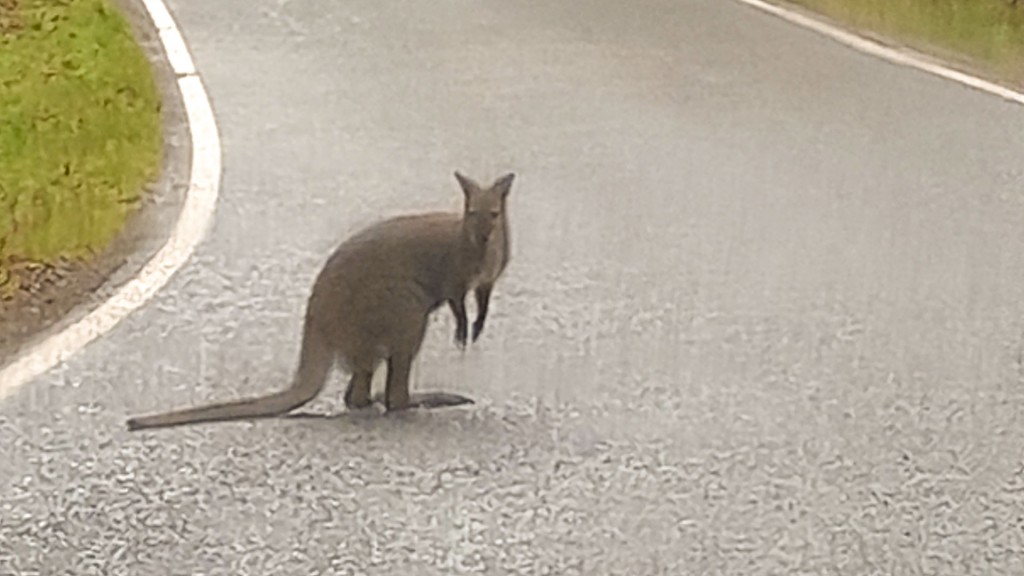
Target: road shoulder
(65, 293)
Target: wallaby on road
(371, 301)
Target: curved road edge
(902, 56)
(190, 228)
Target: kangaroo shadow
(431, 422)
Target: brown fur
(370, 304)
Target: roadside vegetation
(80, 131)
(988, 34)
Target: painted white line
(170, 37)
(160, 15)
(193, 222)
(177, 52)
(902, 57)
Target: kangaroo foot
(429, 400)
(438, 400)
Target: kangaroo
(370, 304)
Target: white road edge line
(902, 57)
(191, 227)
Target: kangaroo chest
(495, 257)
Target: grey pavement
(765, 313)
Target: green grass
(988, 33)
(80, 130)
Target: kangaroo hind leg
(357, 395)
(398, 398)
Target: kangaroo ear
(503, 185)
(467, 184)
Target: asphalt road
(765, 313)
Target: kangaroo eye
(495, 214)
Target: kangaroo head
(484, 207)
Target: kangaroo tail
(315, 361)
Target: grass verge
(80, 131)
(987, 34)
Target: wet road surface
(764, 313)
